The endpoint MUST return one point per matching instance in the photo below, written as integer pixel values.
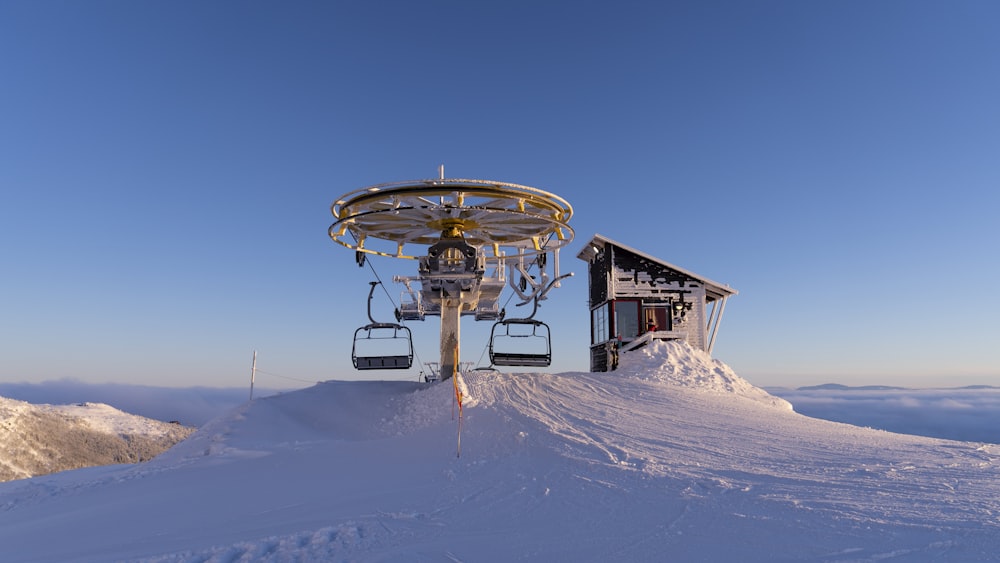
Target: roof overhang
(713, 290)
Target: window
(599, 324)
(649, 319)
(627, 318)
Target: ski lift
(371, 341)
(532, 338)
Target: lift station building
(635, 298)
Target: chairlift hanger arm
(552, 284)
(534, 309)
(371, 292)
(529, 280)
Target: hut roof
(713, 290)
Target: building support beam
(716, 318)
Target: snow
(42, 439)
(96, 416)
(105, 418)
(672, 457)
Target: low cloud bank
(967, 414)
(191, 406)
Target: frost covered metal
(471, 239)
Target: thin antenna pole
(253, 373)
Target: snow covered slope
(672, 458)
(41, 439)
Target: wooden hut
(636, 298)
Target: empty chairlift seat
(382, 346)
(520, 342)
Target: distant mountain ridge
(841, 387)
(42, 439)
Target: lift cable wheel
(488, 214)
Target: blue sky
(166, 171)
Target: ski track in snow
(673, 457)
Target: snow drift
(673, 457)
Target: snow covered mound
(42, 439)
(673, 463)
(350, 411)
(677, 363)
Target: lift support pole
(451, 311)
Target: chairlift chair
(531, 331)
(510, 330)
(377, 335)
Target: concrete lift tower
(469, 238)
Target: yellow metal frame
(485, 213)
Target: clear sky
(166, 172)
